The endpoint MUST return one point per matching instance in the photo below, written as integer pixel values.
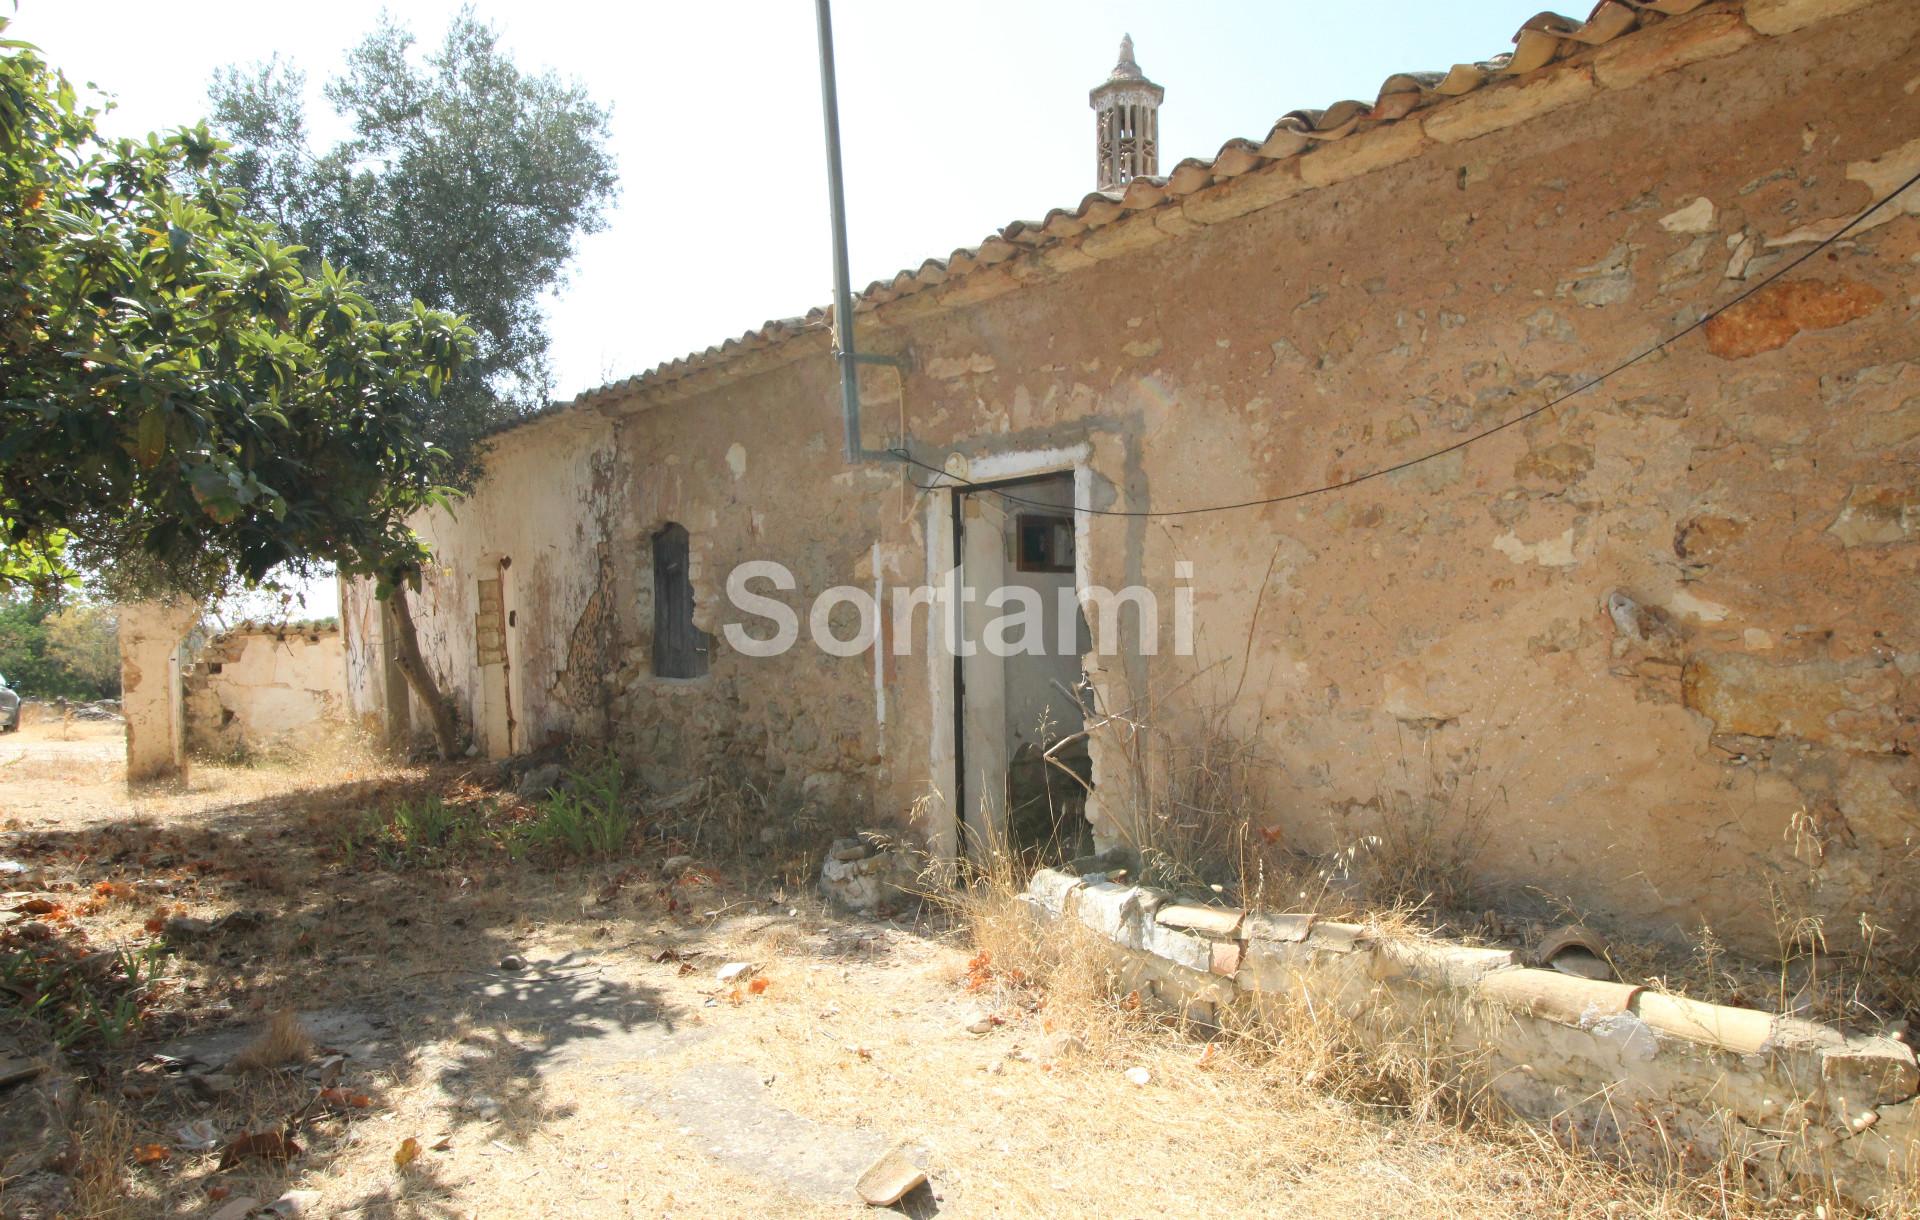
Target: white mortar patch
(1548, 552)
(1699, 607)
(1696, 217)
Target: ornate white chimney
(1126, 123)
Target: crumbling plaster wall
(544, 504)
(755, 472)
(152, 637)
(375, 691)
(1664, 636)
(256, 689)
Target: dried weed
(283, 1043)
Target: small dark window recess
(679, 648)
(1043, 543)
(214, 667)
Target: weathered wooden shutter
(679, 648)
(490, 623)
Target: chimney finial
(1126, 123)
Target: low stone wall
(1609, 1063)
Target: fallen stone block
(1177, 946)
(1264, 925)
(859, 876)
(1050, 888)
(1869, 1072)
(540, 781)
(1436, 963)
(1121, 913)
(1209, 921)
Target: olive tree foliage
(186, 404)
(465, 184)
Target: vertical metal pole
(837, 204)
(963, 829)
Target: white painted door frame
(947, 740)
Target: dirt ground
(500, 1037)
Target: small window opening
(680, 649)
(1043, 542)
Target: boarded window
(679, 647)
(489, 629)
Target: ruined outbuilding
(255, 689)
(1661, 638)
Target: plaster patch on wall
(737, 459)
(950, 368)
(1853, 704)
(1412, 695)
(1556, 552)
(1696, 217)
(1699, 607)
(1881, 175)
(1875, 514)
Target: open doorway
(1023, 767)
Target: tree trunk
(413, 665)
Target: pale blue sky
(956, 119)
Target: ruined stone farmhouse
(1658, 639)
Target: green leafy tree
(465, 184)
(83, 639)
(25, 661)
(183, 406)
(49, 650)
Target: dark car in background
(9, 707)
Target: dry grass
(98, 1155)
(283, 1043)
(1355, 1091)
(1195, 807)
(1198, 819)
(1358, 1119)
(863, 1027)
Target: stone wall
(1654, 1075)
(258, 689)
(532, 665)
(1658, 644)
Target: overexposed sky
(956, 118)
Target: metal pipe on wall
(845, 352)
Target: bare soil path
(528, 1040)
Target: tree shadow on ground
(429, 956)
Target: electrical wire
(1523, 417)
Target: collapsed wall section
(254, 690)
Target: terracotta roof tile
(1542, 41)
